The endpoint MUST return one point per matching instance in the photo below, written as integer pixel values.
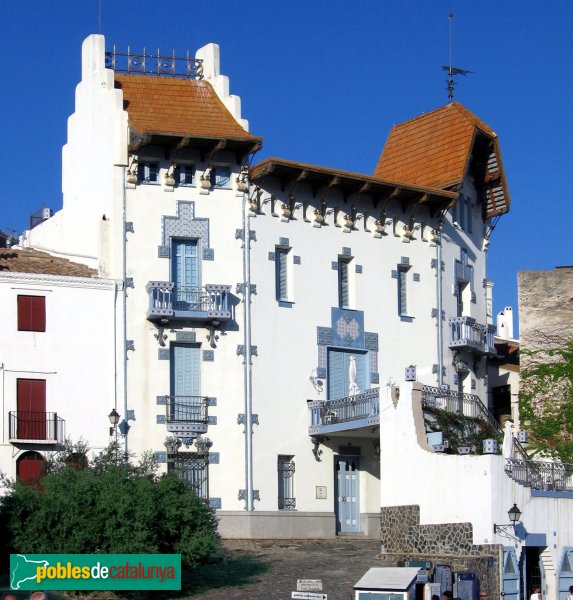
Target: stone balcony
(467, 334)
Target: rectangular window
(281, 274)
(31, 313)
(147, 172)
(185, 175)
(194, 468)
(286, 499)
(403, 291)
(344, 282)
(221, 177)
(462, 213)
(469, 216)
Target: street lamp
(514, 515)
(114, 420)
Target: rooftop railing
(452, 401)
(541, 474)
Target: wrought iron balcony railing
(541, 474)
(208, 303)
(191, 409)
(452, 401)
(466, 332)
(364, 406)
(35, 427)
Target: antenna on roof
(99, 16)
(451, 69)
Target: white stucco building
(57, 357)
(278, 315)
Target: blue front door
(565, 573)
(347, 477)
(510, 574)
(185, 274)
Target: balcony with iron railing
(30, 427)
(541, 475)
(190, 303)
(186, 416)
(453, 401)
(467, 333)
(344, 414)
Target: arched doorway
(29, 467)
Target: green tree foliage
(546, 397)
(107, 505)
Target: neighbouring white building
(57, 357)
(294, 337)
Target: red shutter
(29, 467)
(39, 313)
(31, 405)
(31, 313)
(24, 313)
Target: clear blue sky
(323, 82)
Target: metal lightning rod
(452, 71)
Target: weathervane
(451, 69)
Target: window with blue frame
(185, 274)
(185, 175)
(281, 274)
(342, 378)
(403, 291)
(147, 172)
(220, 177)
(192, 467)
(344, 282)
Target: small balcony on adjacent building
(186, 416)
(189, 303)
(26, 427)
(345, 414)
(466, 333)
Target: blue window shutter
(343, 284)
(186, 371)
(185, 265)
(337, 375)
(281, 266)
(402, 291)
(338, 372)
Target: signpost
(308, 596)
(309, 585)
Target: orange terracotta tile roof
(185, 107)
(432, 149)
(28, 260)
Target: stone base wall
(276, 525)
(450, 544)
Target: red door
(29, 467)
(31, 409)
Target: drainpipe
(249, 501)
(440, 305)
(124, 277)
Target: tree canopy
(106, 505)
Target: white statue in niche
(353, 388)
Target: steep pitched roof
(28, 260)
(176, 106)
(434, 150)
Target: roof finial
(451, 69)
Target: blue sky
(323, 82)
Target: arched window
(29, 467)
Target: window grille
(192, 467)
(286, 499)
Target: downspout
(124, 278)
(440, 305)
(249, 501)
